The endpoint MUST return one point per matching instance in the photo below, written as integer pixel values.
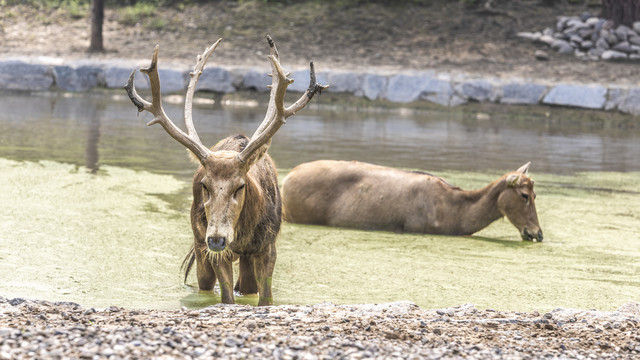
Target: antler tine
(276, 112)
(191, 89)
(274, 81)
(192, 143)
(314, 87)
(274, 117)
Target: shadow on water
(92, 157)
(506, 243)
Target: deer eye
(235, 194)
(205, 190)
(525, 196)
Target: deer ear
(513, 179)
(524, 169)
(255, 156)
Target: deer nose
(530, 236)
(216, 243)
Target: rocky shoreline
(442, 88)
(49, 330)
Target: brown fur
(236, 210)
(366, 196)
(255, 230)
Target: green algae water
(112, 238)
(94, 209)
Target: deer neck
(479, 208)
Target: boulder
(547, 39)
(608, 36)
(635, 40)
(477, 90)
(172, 80)
(623, 46)
(602, 44)
(78, 79)
(562, 47)
(522, 93)
(217, 80)
(599, 25)
(587, 44)
(584, 96)
(437, 91)
(575, 23)
(258, 80)
(541, 55)
(622, 33)
(575, 39)
(18, 75)
(615, 98)
(116, 77)
(585, 33)
(374, 86)
(405, 88)
(595, 53)
(613, 55)
(631, 103)
(592, 21)
(562, 23)
(301, 80)
(344, 82)
(529, 35)
(585, 16)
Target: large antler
(276, 112)
(189, 139)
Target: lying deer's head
(224, 182)
(517, 203)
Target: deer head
(225, 182)
(517, 203)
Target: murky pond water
(94, 206)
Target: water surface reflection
(91, 129)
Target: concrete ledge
(446, 89)
(591, 97)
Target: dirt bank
(446, 36)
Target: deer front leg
(206, 275)
(246, 283)
(224, 272)
(263, 266)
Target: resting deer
(365, 196)
(236, 210)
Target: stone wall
(441, 88)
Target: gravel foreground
(54, 330)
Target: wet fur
(370, 197)
(258, 224)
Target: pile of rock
(590, 37)
(32, 329)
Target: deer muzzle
(532, 236)
(216, 243)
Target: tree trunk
(624, 12)
(97, 18)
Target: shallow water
(117, 237)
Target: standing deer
(365, 196)
(236, 210)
